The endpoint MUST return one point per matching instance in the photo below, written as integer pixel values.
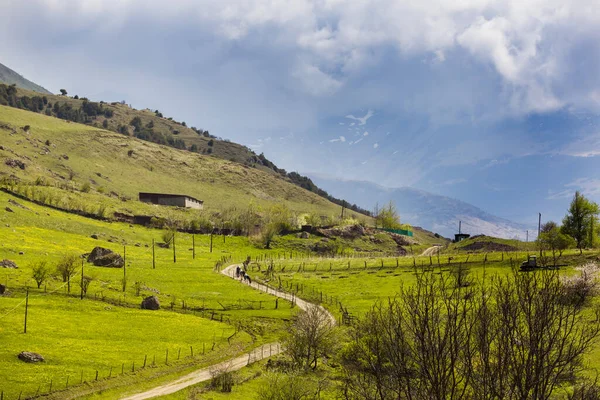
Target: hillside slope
(104, 166)
(437, 213)
(10, 77)
(152, 126)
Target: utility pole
(81, 293)
(592, 232)
(540, 230)
(343, 206)
(153, 259)
(174, 256)
(26, 308)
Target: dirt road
(235, 364)
(431, 251)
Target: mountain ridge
(431, 211)
(11, 77)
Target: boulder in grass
(150, 303)
(2, 288)
(30, 357)
(102, 257)
(8, 264)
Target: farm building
(177, 200)
(460, 236)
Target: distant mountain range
(10, 77)
(433, 212)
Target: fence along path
(260, 353)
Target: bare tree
(85, 283)
(512, 338)
(312, 335)
(67, 267)
(40, 272)
(222, 378)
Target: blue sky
(492, 102)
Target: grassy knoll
(117, 167)
(483, 243)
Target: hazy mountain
(437, 213)
(10, 77)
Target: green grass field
(83, 336)
(106, 329)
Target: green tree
(552, 239)
(579, 220)
(105, 124)
(136, 122)
(387, 217)
(63, 92)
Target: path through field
(235, 364)
(431, 251)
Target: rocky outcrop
(102, 257)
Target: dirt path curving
(235, 364)
(431, 251)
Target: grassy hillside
(72, 334)
(66, 159)
(10, 77)
(152, 126)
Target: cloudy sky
(493, 102)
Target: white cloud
(376, 145)
(314, 81)
(361, 120)
(366, 134)
(586, 146)
(340, 139)
(455, 181)
(587, 186)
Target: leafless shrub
(67, 267)
(222, 378)
(312, 336)
(511, 338)
(40, 272)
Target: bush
(578, 289)
(289, 387)
(86, 187)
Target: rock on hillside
(102, 257)
(150, 303)
(30, 357)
